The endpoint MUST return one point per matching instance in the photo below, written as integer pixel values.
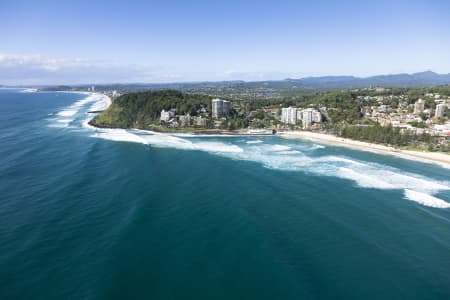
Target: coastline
(432, 157)
(199, 132)
(107, 99)
(344, 142)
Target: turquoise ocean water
(117, 214)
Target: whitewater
(134, 214)
(290, 156)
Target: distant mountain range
(422, 79)
(396, 80)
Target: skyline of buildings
(306, 117)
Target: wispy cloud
(16, 69)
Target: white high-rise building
(307, 117)
(299, 115)
(220, 108)
(317, 117)
(419, 107)
(289, 115)
(292, 115)
(440, 110)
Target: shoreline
(365, 146)
(106, 98)
(200, 132)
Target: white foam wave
(364, 179)
(65, 121)
(364, 174)
(381, 177)
(98, 105)
(288, 152)
(165, 141)
(29, 90)
(426, 199)
(119, 135)
(306, 147)
(283, 157)
(218, 147)
(254, 142)
(68, 114)
(198, 135)
(270, 148)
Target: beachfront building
(299, 115)
(310, 116)
(307, 118)
(316, 116)
(220, 108)
(289, 115)
(200, 121)
(184, 120)
(440, 110)
(419, 107)
(167, 115)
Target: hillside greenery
(143, 109)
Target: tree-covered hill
(140, 110)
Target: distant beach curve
(332, 139)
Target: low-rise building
(167, 115)
(200, 121)
(184, 120)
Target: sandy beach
(107, 100)
(334, 140)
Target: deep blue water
(115, 214)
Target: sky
(73, 42)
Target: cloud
(27, 70)
(18, 69)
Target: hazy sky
(164, 41)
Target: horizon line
(220, 81)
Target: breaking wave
(164, 141)
(282, 157)
(68, 114)
(426, 199)
(300, 157)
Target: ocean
(127, 214)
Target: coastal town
(427, 115)
(407, 118)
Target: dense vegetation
(389, 135)
(143, 109)
(341, 106)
